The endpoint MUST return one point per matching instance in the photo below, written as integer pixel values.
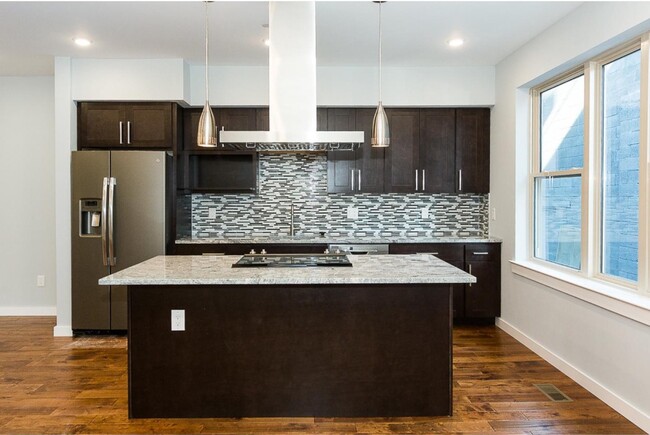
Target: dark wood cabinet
(127, 125)
(361, 170)
(402, 157)
(228, 118)
(218, 171)
(480, 300)
(483, 298)
(437, 151)
(473, 150)
(245, 248)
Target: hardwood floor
(79, 385)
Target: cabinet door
(191, 128)
(236, 119)
(341, 167)
(149, 125)
(473, 150)
(262, 119)
(101, 125)
(437, 150)
(369, 160)
(483, 298)
(402, 156)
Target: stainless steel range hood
(292, 88)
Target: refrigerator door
(90, 302)
(138, 233)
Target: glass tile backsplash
(301, 179)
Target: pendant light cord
(380, 2)
(207, 95)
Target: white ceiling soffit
(346, 31)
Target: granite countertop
(366, 269)
(331, 239)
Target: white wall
(608, 353)
(346, 86)
(27, 195)
(129, 79)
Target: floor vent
(552, 392)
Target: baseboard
(62, 331)
(623, 407)
(27, 311)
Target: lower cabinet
(245, 248)
(480, 300)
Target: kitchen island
(373, 339)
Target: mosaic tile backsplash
(301, 179)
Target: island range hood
(292, 88)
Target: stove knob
(338, 251)
(252, 251)
(263, 251)
(327, 251)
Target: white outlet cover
(425, 213)
(353, 213)
(40, 280)
(178, 320)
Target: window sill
(601, 294)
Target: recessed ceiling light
(267, 42)
(456, 42)
(82, 42)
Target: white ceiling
(415, 32)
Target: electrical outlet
(425, 213)
(40, 280)
(212, 213)
(353, 213)
(178, 320)
(494, 213)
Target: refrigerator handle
(104, 219)
(112, 182)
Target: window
(619, 176)
(558, 175)
(587, 202)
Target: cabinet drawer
(482, 252)
(449, 252)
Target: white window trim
(604, 295)
(588, 284)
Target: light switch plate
(425, 213)
(40, 280)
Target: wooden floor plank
(79, 385)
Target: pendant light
(380, 137)
(207, 135)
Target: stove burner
(292, 260)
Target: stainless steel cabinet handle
(460, 179)
(416, 180)
(359, 186)
(424, 183)
(121, 133)
(128, 132)
(213, 253)
(480, 253)
(112, 182)
(352, 178)
(427, 253)
(104, 222)
(470, 272)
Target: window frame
(590, 173)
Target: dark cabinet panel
(341, 165)
(403, 154)
(219, 171)
(236, 119)
(190, 128)
(369, 160)
(480, 300)
(473, 150)
(126, 125)
(245, 248)
(437, 150)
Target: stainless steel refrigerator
(121, 215)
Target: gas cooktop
(292, 260)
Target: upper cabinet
(361, 170)
(438, 151)
(473, 150)
(127, 125)
(228, 118)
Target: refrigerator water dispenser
(90, 221)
